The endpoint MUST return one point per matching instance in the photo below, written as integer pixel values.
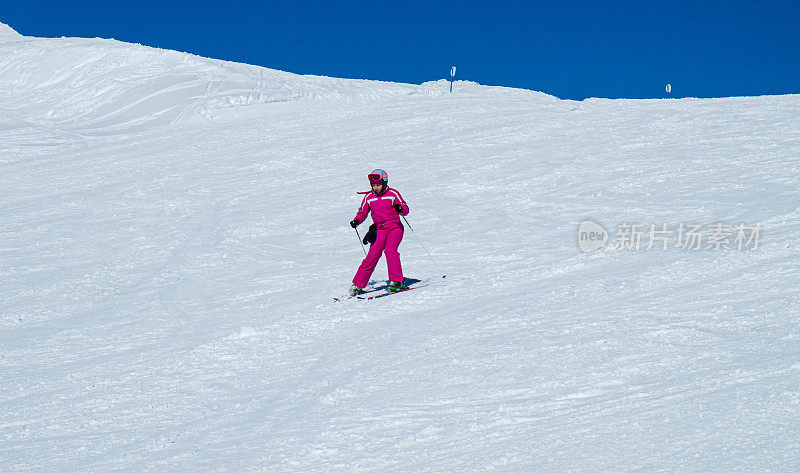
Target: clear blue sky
(571, 49)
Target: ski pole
(360, 242)
(439, 268)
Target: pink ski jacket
(382, 206)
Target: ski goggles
(377, 178)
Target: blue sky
(571, 49)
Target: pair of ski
(376, 293)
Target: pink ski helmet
(379, 176)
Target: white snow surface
(8, 33)
(173, 230)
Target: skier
(386, 205)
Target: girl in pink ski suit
(386, 205)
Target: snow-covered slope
(174, 229)
(99, 86)
(8, 33)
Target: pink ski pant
(388, 240)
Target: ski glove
(354, 223)
(398, 208)
(371, 235)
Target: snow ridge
(8, 33)
(91, 86)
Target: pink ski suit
(390, 234)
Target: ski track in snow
(173, 229)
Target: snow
(7, 33)
(174, 229)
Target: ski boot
(355, 290)
(397, 286)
